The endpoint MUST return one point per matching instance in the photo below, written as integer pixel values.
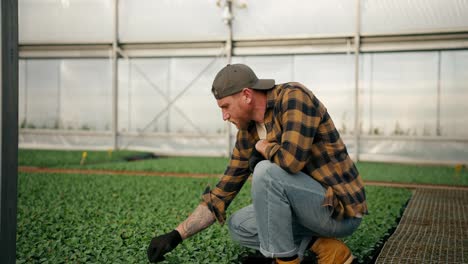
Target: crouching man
(306, 190)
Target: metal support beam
(371, 93)
(356, 80)
(245, 47)
(115, 80)
(9, 133)
(439, 63)
(171, 101)
(228, 21)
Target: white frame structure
(356, 44)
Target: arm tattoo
(200, 219)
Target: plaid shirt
(301, 137)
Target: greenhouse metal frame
(357, 46)
(9, 133)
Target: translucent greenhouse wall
(412, 104)
(398, 91)
(65, 21)
(68, 21)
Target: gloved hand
(255, 158)
(162, 244)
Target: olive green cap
(235, 77)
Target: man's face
(235, 109)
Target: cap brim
(264, 84)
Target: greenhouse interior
(138, 74)
(112, 131)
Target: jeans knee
(260, 173)
(232, 224)
(241, 227)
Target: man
(305, 190)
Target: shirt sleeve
(237, 172)
(299, 114)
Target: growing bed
(371, 171)
(85, 218)
(111, 219)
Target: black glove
(255, 158)
(162, 244)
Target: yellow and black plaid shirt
(301, 137)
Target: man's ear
(247, 94)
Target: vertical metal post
(228, 21)
(59, 95)
(9, 132)
(26, 87)
(371, 99)
(229, 37)
(293, 67)
(439, 62)
(357, 42)
(129, 97)
(168, 94)
(115, 77)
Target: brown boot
(294, 261)
(331, 251)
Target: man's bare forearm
(200, 219)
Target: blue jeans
(286, 212)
